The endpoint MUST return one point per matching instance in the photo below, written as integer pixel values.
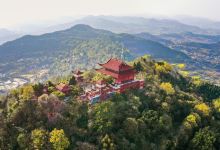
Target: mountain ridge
(60, 51)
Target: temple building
(119, 70)
(124, 79)
(63, 88)
(99, 92)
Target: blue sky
(16, 12)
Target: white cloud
(14, 12)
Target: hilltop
(170, 112)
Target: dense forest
(173, 111)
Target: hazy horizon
(41, 12)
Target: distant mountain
(81, 44)
(68, 39)
(200, 22)
(140, 24)
(6, 35)
(131, 25)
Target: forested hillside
(171, 112)
(78, 47)
(202, 49)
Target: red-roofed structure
(118, 69)
(124, 80)
(63, 88)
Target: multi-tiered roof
(124, 80)
(117, 69)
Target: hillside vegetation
(171, 112)
(31, 54)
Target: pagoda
(118, 69)
(124, 79)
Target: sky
(20, 12)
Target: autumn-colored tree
(167, 87)
(181, 66)
(192, 120)
(196, 80)
(59, 140)
(216, 104)
(184, 73)
(203, 109)
(163, 67)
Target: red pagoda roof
(116, 65)
(110, 73)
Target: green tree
(138, 67)
(59, 94)
(204, 139)
(59, 140)
(22, 140)
(107, 143)
(131, 127)
(102, 117)
(39, 139)
(208, 91)
(38, 89)
(72, 81)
